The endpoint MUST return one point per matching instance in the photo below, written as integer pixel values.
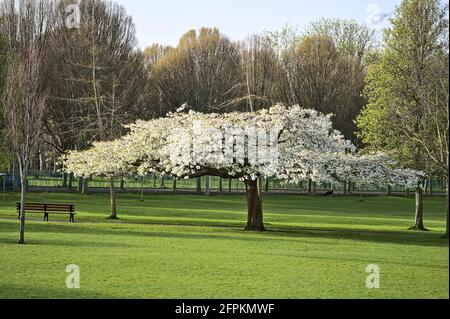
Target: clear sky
(164, 21)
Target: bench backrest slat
(48, 207)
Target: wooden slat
(50, 208)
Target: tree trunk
(345, 187)
(112, 192)
(230, 185)
(419, 210)
(163, 186)
(255, 211)
(266, 186)
(80, 184)
(64, 180)
(220, 184)
(14, 177)
(142, 188)
(207, 182)
(314, 189)
(70, 187)
(174, 185)
(447, 198)
(430, 188)
(85, 186)
(23, 190)
(389, 190)
(122, 184)
(199, 185)
(310, 186)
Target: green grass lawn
(187, 246)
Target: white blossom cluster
(302, 144)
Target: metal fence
(52, 181)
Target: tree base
(255, 229)
(415, 228)
(113, 217)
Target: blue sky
(164, 21)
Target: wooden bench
(46, 209)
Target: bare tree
(260, 70)
(99, 81)
(25, 24)
(203, 71)
(316, 75)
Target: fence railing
(55, 181)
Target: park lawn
(188, 246)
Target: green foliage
(187, 246)
(351, 38)
(398, 84)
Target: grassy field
(187, 246)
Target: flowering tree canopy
(288, 143)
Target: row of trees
(69, 87)
(214, 74)
(95, 80)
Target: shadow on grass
(11, 291)
(274, 233)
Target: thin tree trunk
(207, 183)
(41, 160)
(122, 184)
(430, 189)
(314, 188)
(112, 192)
(64, 180)
(266, 186)
(389, 190)
(255, 212)
(419, 210)
(85, 186)
(345, 187)
(230, 185)
(199, 184)
(163, 182)
(220, 184)
(142, 188)
(80, 184)
(447, 200)
(174, 185)
(23, 190)
(70, 186)
(14, 177)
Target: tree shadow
(406, 237)
(236, 232)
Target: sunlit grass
(187, 246)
